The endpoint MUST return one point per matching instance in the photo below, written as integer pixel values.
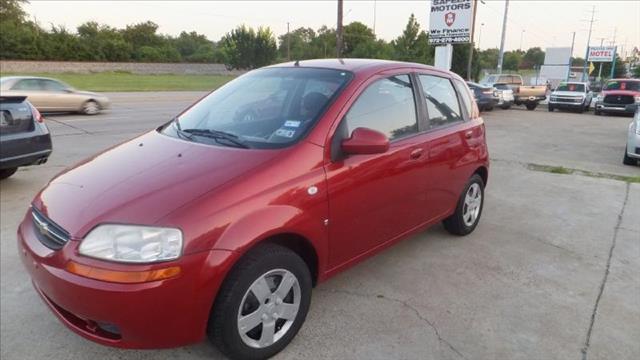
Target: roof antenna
(297, 63)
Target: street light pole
(585, 75)
(339, 31)
(521, 36)
(504, 34)
(473, 22)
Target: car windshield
(489, 79)
(266, 108)
(623, 85)
(571, 87)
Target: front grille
(49, 233)
(568, 100)
(619, 99)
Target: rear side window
(506, 79)
(442, 102)
(53, 85)
(28, 84)
(465, 96)
(387, 106)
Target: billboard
(601, 53)
(450, 22)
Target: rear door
(34, 90)
(452, 138)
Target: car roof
(357, 65)
(574, 82)
(27, 77)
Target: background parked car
(571, 96)
(527, 95)
(505, 95)
(632, 151)
(24, 138)
(616, 95)
(49, 95)
(485, 96)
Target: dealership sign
(450, 21)
(601, 53)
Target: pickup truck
(618, 96)
(527, 95)
(571, 96)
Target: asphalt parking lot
(551, 272)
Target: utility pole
(288, 43)
(504, 34)
(374, 16)
(521, 36)
(339, 31)
(480, 35)
(473, 29)
(573, 40)
(600, 69)
(585, 75)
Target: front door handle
(416, 153)
(468, 134)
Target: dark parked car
(486, 97)
(24, 137)
(213, 227)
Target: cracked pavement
(551, 272)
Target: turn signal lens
(126, 277)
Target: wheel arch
(484, 174)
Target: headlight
(131, 243)
(637, 98)
(554, 98)
(599, 98)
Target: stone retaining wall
(15, 66)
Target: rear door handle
(416, 153)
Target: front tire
(550, 108)
(90, 108)
(262, 303)
(469, 209)
(5, 173)
(627, 160)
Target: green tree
(413, 44)
(512, 60)
(460, 61)
(243, 48)
(533, 57)
(300, 44)
(356, 34)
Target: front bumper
(566, 105)
(616, 108)
(159, 314)
(633, 145)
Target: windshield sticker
(291, 123)
(285, 133)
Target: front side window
(387, 106)
(266, 108)
(442, 102)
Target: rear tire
(244, 294)
(5, 173)
(531, 106)
(597, 112)
(505, 107)
(627, 160)
(469, 209)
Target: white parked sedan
(504, 95)
(632, 152)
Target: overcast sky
(545, 23)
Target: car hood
(567, 93)
(142, 180)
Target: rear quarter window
(15, 116)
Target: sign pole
(471, 47)
(613, 62)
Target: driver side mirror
(365, 141)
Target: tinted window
(571, 87)
(623, 85)
(465, 96)
(501, 86)
(266, 108)
(387, 106)
(28, 84)
(51, 85)
(442, 102)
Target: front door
(376, 198)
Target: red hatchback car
(219, 225)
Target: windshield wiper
(180, 132)
(217, 135)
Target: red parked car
(218, 225)
(619, 96)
